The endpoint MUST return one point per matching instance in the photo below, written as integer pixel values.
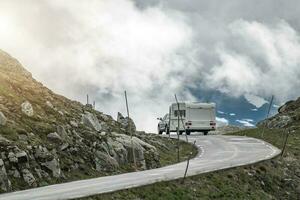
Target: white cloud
(232, 114)
(249, 120)
(105, 47)
(255, 100)
(221, 121)
(245, 122)
(258, 60)
(254, 109)
(221, 112)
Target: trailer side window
(182, 113)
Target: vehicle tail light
(189, 123)
(212, 123)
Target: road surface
(216, 152)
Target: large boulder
(105, 162)
(126, 123)
(27, 108)
(140, 149)
(29, 178)
(117, 150)
(91, 121)
(3, 119)
(53, 166)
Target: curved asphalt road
(216, 152)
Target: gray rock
(126, 123)
(4, 141)
(49, 104)
(3, 119)
(22, 157)
(23, 137)
(27, 108)
(54, 137)
(12, 157)
(90, 120)
(64, 146)
(54, 167)
(102, 134)
(29, 178)
(5, 184)
(282, 109)
(74, 124)
(105, 162)
(15, 173)
(131, 147)
(41, 173)
(42, 153)
(118, 151)
(62, 132)
(146, 155)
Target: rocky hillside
(46, 138)
(288, 116)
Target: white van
(196, 117)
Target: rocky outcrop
(128, 148)
(288, 116)
(126, 123)
(49, 138)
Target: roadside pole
(129, 130)
(186, 138)
(187, 164)
(178, 113)
(268, 113)
(285, 142)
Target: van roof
(196, 104)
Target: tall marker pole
(129, 130)
(268, 113)
(186, 138)
(178, 113)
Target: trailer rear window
(182, 113)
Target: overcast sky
(154, 49)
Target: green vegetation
(278, 178)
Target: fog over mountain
(235, 53)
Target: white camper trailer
(196, 117)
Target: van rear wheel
(188, 132)
(205, 132)
(167, 131)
